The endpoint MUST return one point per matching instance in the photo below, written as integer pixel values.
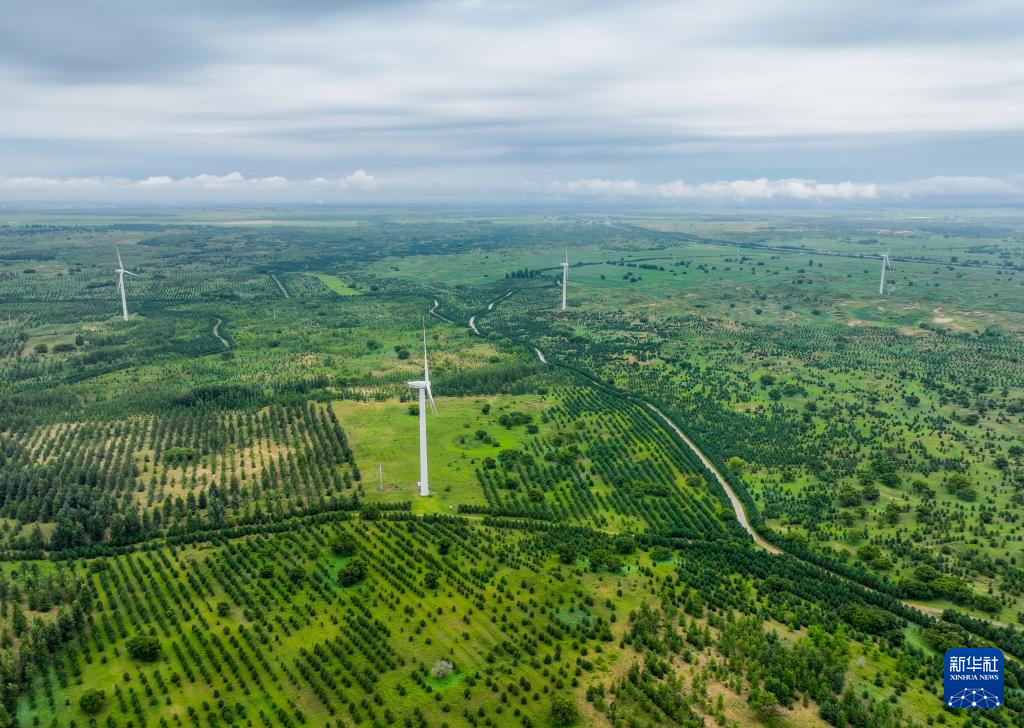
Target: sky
(804, 102)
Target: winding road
(433, 312)
(216, 332)
(737, 506)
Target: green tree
(352, 572)
(344, 544)
(143, 647)
(92, 701)
(563, 711)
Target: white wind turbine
(886, 265)
(424, 389)
(565, 275)
(120, 283)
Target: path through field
(283, 290)
(433, 312)
(737, 506)
(216, 332)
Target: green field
(192, 517)
(337, 285)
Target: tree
(764, 702)
(430, 580)
(960, 485)
(92, 701)
(848, 496)
(661, 553)
(736, 464)
(625, 544)
(564, 711)
(568, 553)
(143, 647)
(344, 544)
(868, 552)
(442, 669)
(352, 572)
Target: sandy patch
(942, 320)
(911, 331)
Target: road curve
(433, 312)
(540, 355)
(737, 506)
(216, 332)
(472, 325)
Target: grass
(337, 285)
(384, 433)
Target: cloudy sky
(721, 101)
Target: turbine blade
(119, 263)
(430, 396)
(131, 274)
(426, 368)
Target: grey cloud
(127, 40)
(878, 22)
(487, 92)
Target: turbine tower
(886, 265)
(565, 275)
(424, 392)
(120, 283)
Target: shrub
(661, 553)
(92, 701)
(442, 669)
(143, 647)
(352, 572)
(564, 711)
(344, 545)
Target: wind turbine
(886, 265)
(423, 386)
(565, 275)
(120, 282)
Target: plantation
(209, 513)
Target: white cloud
(361, 185)
(161, 188)
(726, 191)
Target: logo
(974, 678)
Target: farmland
(208, 513)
